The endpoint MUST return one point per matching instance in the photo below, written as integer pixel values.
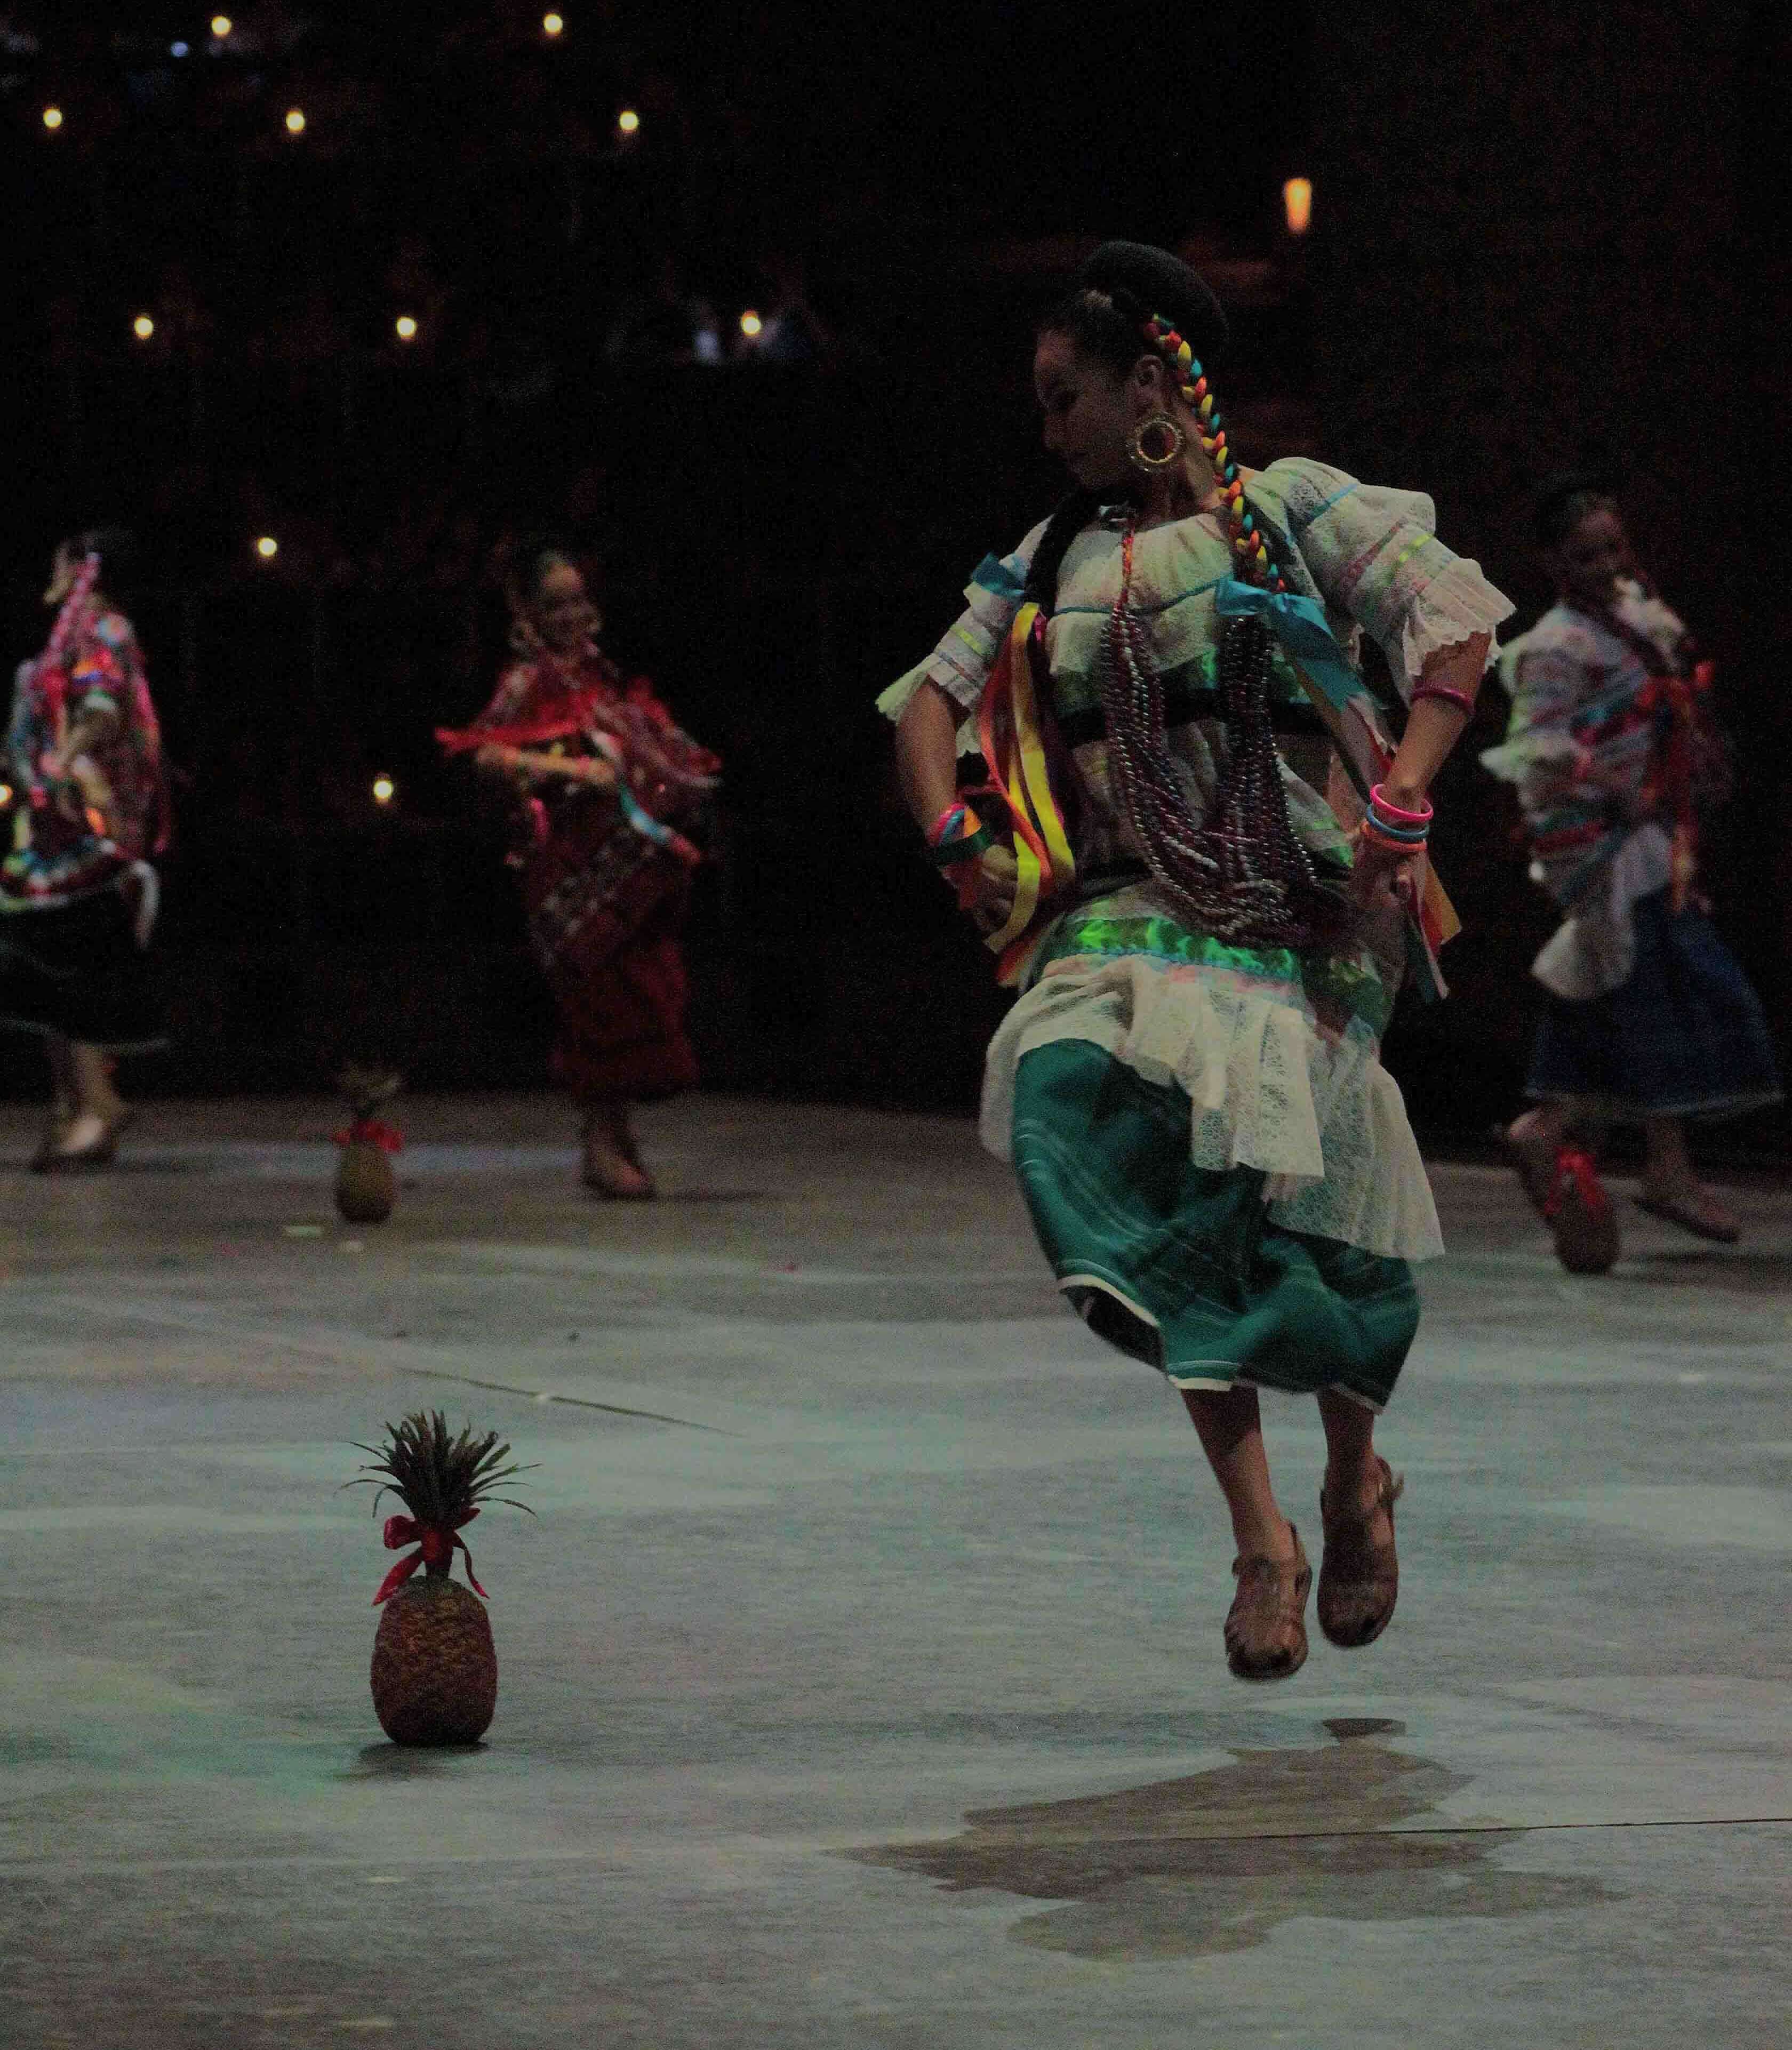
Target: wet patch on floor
(1213, 1862)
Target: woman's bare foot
(1693, 1207)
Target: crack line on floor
(573, 1401)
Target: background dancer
(1218, 1166)
(78, 895)
(609, 792)
(1649, 1020)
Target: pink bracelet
(1398, 814)
(1449, 694)
(940, 824)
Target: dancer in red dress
(613, 798)
(78, 892)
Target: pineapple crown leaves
(367, 1087)
(439, 1479)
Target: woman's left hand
(1385, 879)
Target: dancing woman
(1218, 1168)
(78, 895)
(1649, 1020)
(611, 799)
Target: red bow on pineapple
(436, 1545)
(376, 1130)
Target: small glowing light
(629, 121)
(6, 795)
(405, 328)
(143, 327)
(267, 547)
(52, 117)
(552, 25)
(295, 121)
(384, 789)
(221, 26)
(1297, 203)
(751, 325)
(177, 49)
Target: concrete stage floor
(862, 1682)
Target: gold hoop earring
(1156, 444)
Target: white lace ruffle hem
(1319, 1114)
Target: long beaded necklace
(1238, 872)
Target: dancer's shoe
(1359, 1575)
(1266, 1626)
(81, 1151)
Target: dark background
(1539, 237)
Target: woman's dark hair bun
(1123, 285)
(527, 560)
(1563, 500)
(1144, 280)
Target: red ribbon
(387, 1137)
(436, 1545)
(576, 711)
(1669, 783)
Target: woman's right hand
(989, 899)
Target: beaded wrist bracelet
(1446, 694)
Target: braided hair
(116, 547)
(1240, 872)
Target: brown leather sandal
(1359, 1579)
(1266, 1626)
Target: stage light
(6, 795)
(221, 26)
(1297, 204)
(552, 25)
(267, 547)
(143, 327)
(52, 118)
(295, 121)
(177, 49)
(751, 326)
(629, 121)
(405, 328)
(384, 789)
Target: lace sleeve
(1373, 553)
(961, 663)
(1545, 673)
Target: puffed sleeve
(510, 697)
(21, 749)
(961, 663)
(1546, 672)
(1372, 553)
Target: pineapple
(366, 1188)
(435, 1668)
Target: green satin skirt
(1181, 1266)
